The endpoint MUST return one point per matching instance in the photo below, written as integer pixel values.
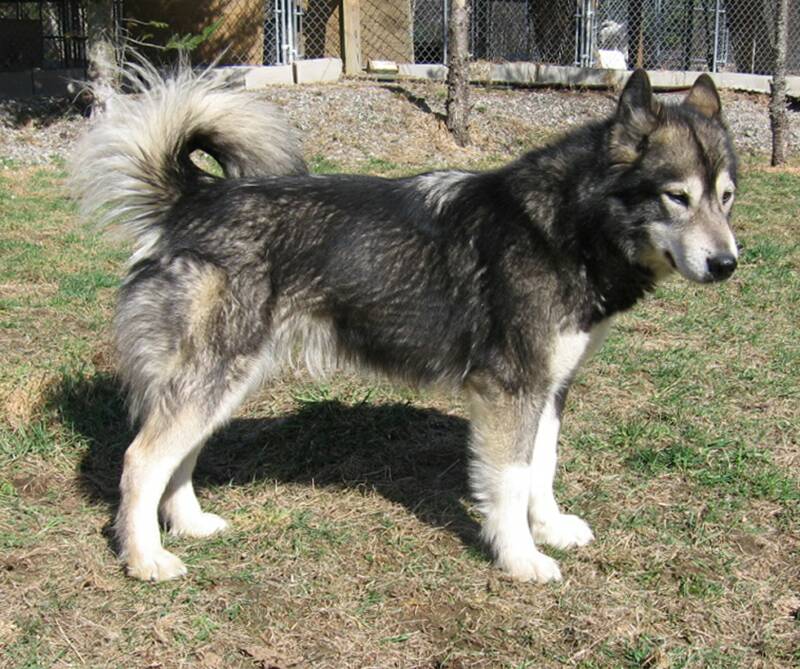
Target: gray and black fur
(499, 283)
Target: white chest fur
(571, 348)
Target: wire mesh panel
(245, 32)
(793, 55)
(233, 31)
(531, 30)
(42, 35)
(751, 26)
(281, 31)
(500, 30)
(387, 30)
(714, 35)
(665, 34)
(429, 31)
(320, 28)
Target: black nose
(721, 266)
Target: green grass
(322, 165)
(83, 287)
(353, 538)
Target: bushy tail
(133, 163)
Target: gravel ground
(364, 125)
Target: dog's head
(676, 180)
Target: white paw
(536, 567)
(200, 525)
(563, 531)
(159, 566)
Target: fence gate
(659, 34)
(283, 30)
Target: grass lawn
(354, 542)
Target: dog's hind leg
(157, 473)
(156, 452)
(188, 367)
(503, 429)
(180, 509)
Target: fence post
(457, 103)
(351, 36)
(101, 56)
(777, 106)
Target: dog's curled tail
(134, 162)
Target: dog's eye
(678, 197)
(727, 196)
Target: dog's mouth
(670, 259)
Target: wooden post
(457, 103)
(351, 36)
(101, 53)
(777, 106)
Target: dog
(499, 283)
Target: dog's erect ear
(703, 97)
(636, 104)
(637, 96)
(636, 118)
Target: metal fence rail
(714, 35)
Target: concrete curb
(319, 70)
(532, 74)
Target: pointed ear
(636, 102)
(636, 118)
(703, 97)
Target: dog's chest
(571, 348)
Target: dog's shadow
(412, 456)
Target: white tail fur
(133, 163)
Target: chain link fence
(41, 34)
(714, 35)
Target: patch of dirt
(778, 169)
(21, 403)
(31, 486)
(17, 289)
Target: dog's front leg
(503, 431)
(548, 524)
